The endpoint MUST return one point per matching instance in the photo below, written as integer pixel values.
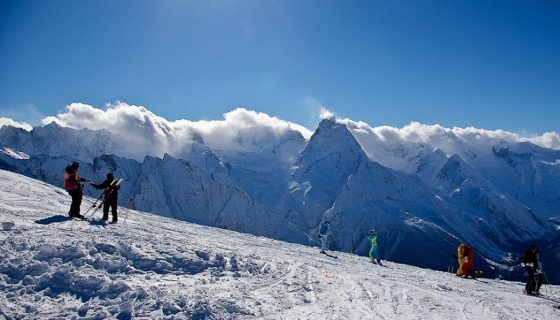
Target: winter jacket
(72, 179)
(531, 259)
(372, 239)
(469, 259)
(111, 191)
(325, 231)
(461, 258)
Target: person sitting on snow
(373, 253)
(534, 273)
(324, 234)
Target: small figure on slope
(465, 257)
(373, 253)
(534, 273)
(73, 185)
(460, 259)
(111, 196)
(324, 234)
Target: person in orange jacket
(73, 185)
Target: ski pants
(373, 253)
(534, 280)
(324, 242)
(76, 195)
(112, 204)
(461, 261)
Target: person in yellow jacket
(373, 253)
(461, 259)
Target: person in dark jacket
(534, 273)
(111, 196)
(73, 185)
(324, 235)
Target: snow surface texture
(152, 267)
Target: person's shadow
(54, 219)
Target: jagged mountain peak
(330, 124)
(455, 169)
(334, 136)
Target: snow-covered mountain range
(152, 267)
(425, 191)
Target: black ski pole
(94, 204)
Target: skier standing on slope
(73, 185)
(465, 255)
(111, 196)
(373, 252)
(534, 273)
(460, 259)
(324, 234)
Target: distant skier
(373, 252)
(324, 234)
(73, 185)
(465, 255)
(111, 196)
(460, 259)
(534, 273)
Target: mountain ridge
(296, 184)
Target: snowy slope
(151, 267)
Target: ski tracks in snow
(152, 267)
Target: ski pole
(548, 284)
(94, 204)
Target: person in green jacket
(373, 253)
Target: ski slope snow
(151, 267)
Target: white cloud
(139, 129)
(148, 132)
(439, 136)
(9, 122)
(547, 140)
(326, 113)
(221, 133)
(143, 131)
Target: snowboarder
(373, 253)
(534, 273)
(73, 185)
(111, 196)
(465, 255)
(324, 234)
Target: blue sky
(488, 64)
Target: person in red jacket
(468, 265)
(73, 185)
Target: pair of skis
(97, 204)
